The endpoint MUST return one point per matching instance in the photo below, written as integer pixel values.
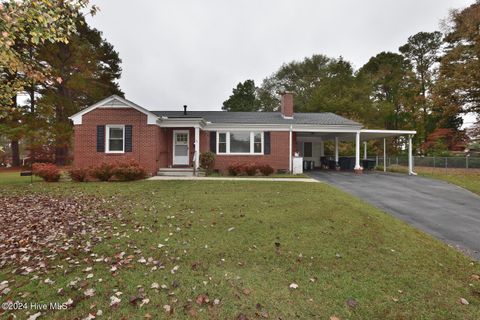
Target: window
(257, 142)
(240, 142)
(222, 143)
(115, 138)
(182, 138)
(307, 149)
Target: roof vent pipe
(184, 110)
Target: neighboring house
(473, 134)
(116, 129)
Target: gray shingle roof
(325, 118)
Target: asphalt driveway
(446, 211)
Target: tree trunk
(15, 153)
(61, 153)
(32, 112)
(61, 144)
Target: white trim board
(252, 144)
(107, 137)
(114, 101)
(174, 142)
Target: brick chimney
(287, 105)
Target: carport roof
(365, 134)
(368, 134)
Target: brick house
(116, 129)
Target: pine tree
(457, 90)
(243, 98)
(86, 70)
(422, 50)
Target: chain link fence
(462, 165)
(452, 164)
(434, 162)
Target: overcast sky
(194, 52)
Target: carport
(310, 143)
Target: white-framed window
(115, 138)
(222, 142)
(240, 142)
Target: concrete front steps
(179, 172)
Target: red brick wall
(153, 146)
(278, 157)
(148, 141)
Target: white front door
(180, 147)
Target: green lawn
(244, 243)
(465, 178)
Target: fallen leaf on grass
(246, 291)
(134, 299)
(352, 303)
(193, 313)
(464, 301)
(3, 285)
(241, 316)
(293, 285)
(155, 285)
(89, 292)
(89, 317)
(114, 301)
(144, 302)
(50, 227)
(334, 318)
(202, 299)
(34, 316)
(262, 314)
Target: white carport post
(384, 154)
(410, 156)
(365, 150)
(357, 151)
(197, 148)
(336, 150)
(290, 151)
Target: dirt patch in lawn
(38, 229)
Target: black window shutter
(266, 142)
(100, 138)
(213, 141)
(128, 138)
